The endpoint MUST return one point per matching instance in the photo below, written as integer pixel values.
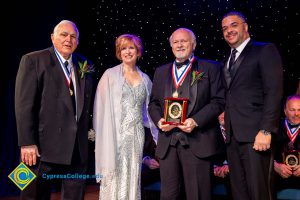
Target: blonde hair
(124, 39)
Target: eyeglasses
(232, 25)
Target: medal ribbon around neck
(179, 79)
(68, 75)
(292, 134)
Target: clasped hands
(285, 171)
(187, 126)
(221, 171)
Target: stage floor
(92, 193)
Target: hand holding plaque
(175, 110)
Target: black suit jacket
(149, 176)
(149, 144)
(206, 102)
(253, 92)
(43, 107)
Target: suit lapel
(192, 89)
(239, 61)
(80, 84)
(60, 80)
(169, 82)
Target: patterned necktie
(223, 132)
(232, 59)
(71, 86)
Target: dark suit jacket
(253, 92)
(43, 107)
(206, 102)
(148, 175)
(149, 145)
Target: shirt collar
(61, 58)
(242, 46)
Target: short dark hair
(235, 13)
(292, 97)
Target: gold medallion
(175, 94)
(71, 92)
(292, 160)
(175, 110)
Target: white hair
(55, 30)
(190, 32)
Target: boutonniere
(92, 135)
(197, 75)
(85, 68)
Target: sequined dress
(127, 182)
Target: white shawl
(106, 120)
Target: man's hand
(164, 127)
(283, 170)
(29, 154)
(151, 163)
(262, 142)
(188, 125)
(221, 171)
(296, 171)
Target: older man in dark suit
(53, 102)
(185, 150)
(254, 80)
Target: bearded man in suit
(185, 150)
(253, 80)
(53, 102)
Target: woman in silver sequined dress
(120, 114)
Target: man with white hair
(53, 102)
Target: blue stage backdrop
(30, 24)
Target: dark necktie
(232, 59)
(180, 64)
(71, 87)
(223, 132)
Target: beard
(181, 55)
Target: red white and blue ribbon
(292, 134)
(178, 79)
(68, 75)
